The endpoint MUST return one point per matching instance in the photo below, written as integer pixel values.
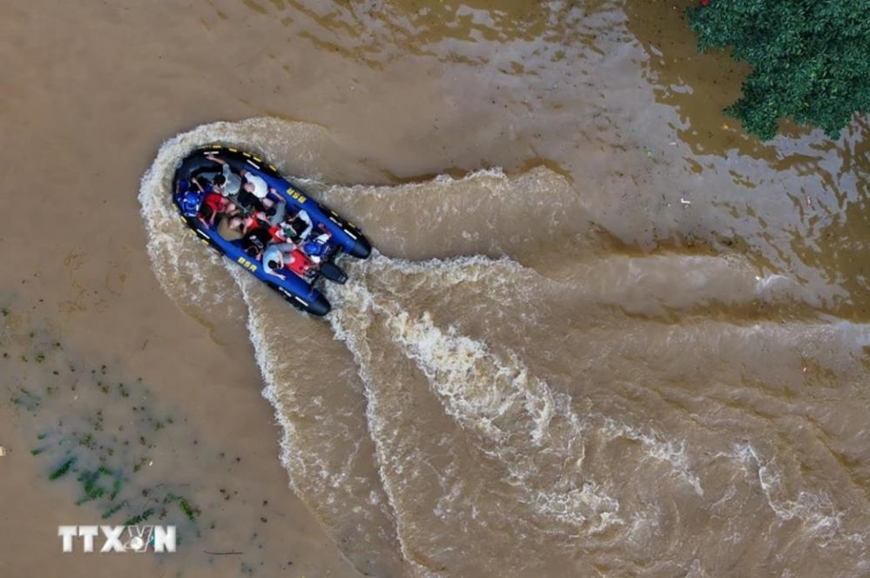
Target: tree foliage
(810, 59)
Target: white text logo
(119, 538)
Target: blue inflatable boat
(240, 206)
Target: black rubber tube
(320, 307)
(362, 248)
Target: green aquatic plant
(190, 511)
(99, 449)
(94, 489)
(810, 59)
(91, 456)
(95, 432)
(114, 510)
(139, 518)
(63, 469)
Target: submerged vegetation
(104, 439)
(114, 447)
(810, 59)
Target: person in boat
(235, 226)
(230, 227)
(275, 256)
(227, 182)
(257, 195)
(215, 205)
(296, 227)
(278, 256)
(315, 248)
(257, 220)
(222, 186)
(255, 240)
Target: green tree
(810, 59)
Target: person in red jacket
(214, 205)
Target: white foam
(343, 319)
(495, 397)
(671, 451)
(815, 510)
(492, 394)
(327, 485)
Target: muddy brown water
(605, 332)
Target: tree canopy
(810, 59)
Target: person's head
(253, 252)
(274, 264)
(235, 223)
(220, 181)
(248, 186)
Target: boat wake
(549, 402)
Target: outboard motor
(333, 273)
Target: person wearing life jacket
(285, 255)
(299, 263)
(274, 257)
(256, 220)
(214, 205)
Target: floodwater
(604, 332)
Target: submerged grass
(99, 447)
(97, 433)
(63, 469)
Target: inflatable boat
(238, 204)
